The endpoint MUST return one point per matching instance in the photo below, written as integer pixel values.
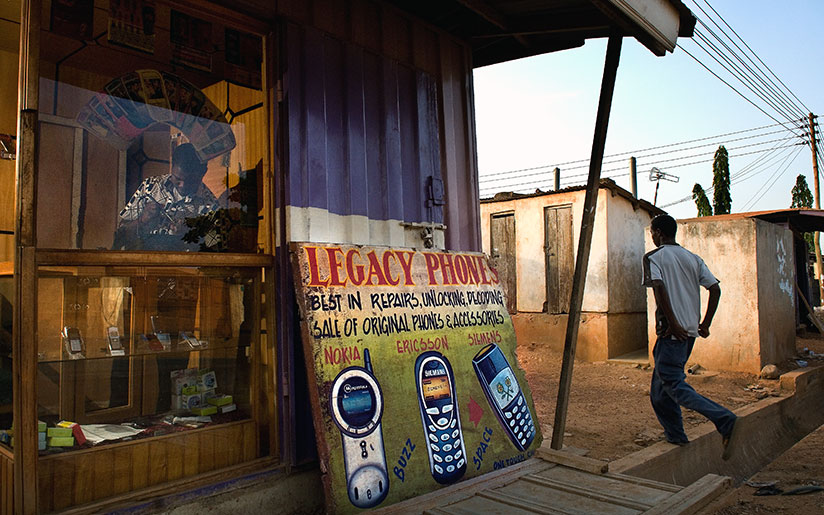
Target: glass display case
(144, 239)
(154, 349)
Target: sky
(540, 112)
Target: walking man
(675, 274)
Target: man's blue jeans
(669, 391)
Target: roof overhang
(503, 30)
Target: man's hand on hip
(678, 332)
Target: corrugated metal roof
(502, 30)
(609, 184)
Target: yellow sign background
(396, 304)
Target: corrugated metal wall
(362, 131)
(377, 104)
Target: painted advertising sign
(416, 385)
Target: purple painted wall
(363, 130)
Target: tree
(721, 200)
(801, 193)
(803, 198)
(701, 201)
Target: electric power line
(630, 152)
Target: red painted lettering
(335, 266)
(314, 272)
(447, 269)
(406, 265)
(472, 269)
(460, 269)
(375, 270)
(355, 272)
(387, 270)
(432, 264)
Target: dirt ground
(609, 410)
(800, 466)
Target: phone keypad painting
(440, 417)
(504, 395)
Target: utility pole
(817, 235)
(557, 172)
(633, 178)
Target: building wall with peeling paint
(755, 322)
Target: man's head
(187, 169)
(663, 229)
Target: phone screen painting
(357, 402)
(504, 387)
(436, 388)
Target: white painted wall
(755, 321)
(529, 235)
(625, 235)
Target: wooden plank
(553, 295)
(191, 454)
(6, 484)
(103, 473)
(585, 239)
(114, 258)
(566, 261)
(269, 356)
(158, 461)
(224, 446)
(693, 497)
(572, 460)
(666, 487)
(466, 489)
(174, 458)
(513, 504)
(206, 454)
(649, 494)
(586, 489)
(83, 472)
(24, 342)
(475, 505)
(62, 481)
(172, 487)
(503, 246)
(250, 443)
(576, 501)
(140, 466)
(122, 474)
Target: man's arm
(712, 305)
(662, 301)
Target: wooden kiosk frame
(30, 483)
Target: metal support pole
(585, 240)
(633, 177)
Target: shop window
(117, 108)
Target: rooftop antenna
(657, 175)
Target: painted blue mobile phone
(441, 420)
(504, 395)
(356, 404)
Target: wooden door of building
(502, 243)
(560, 264)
